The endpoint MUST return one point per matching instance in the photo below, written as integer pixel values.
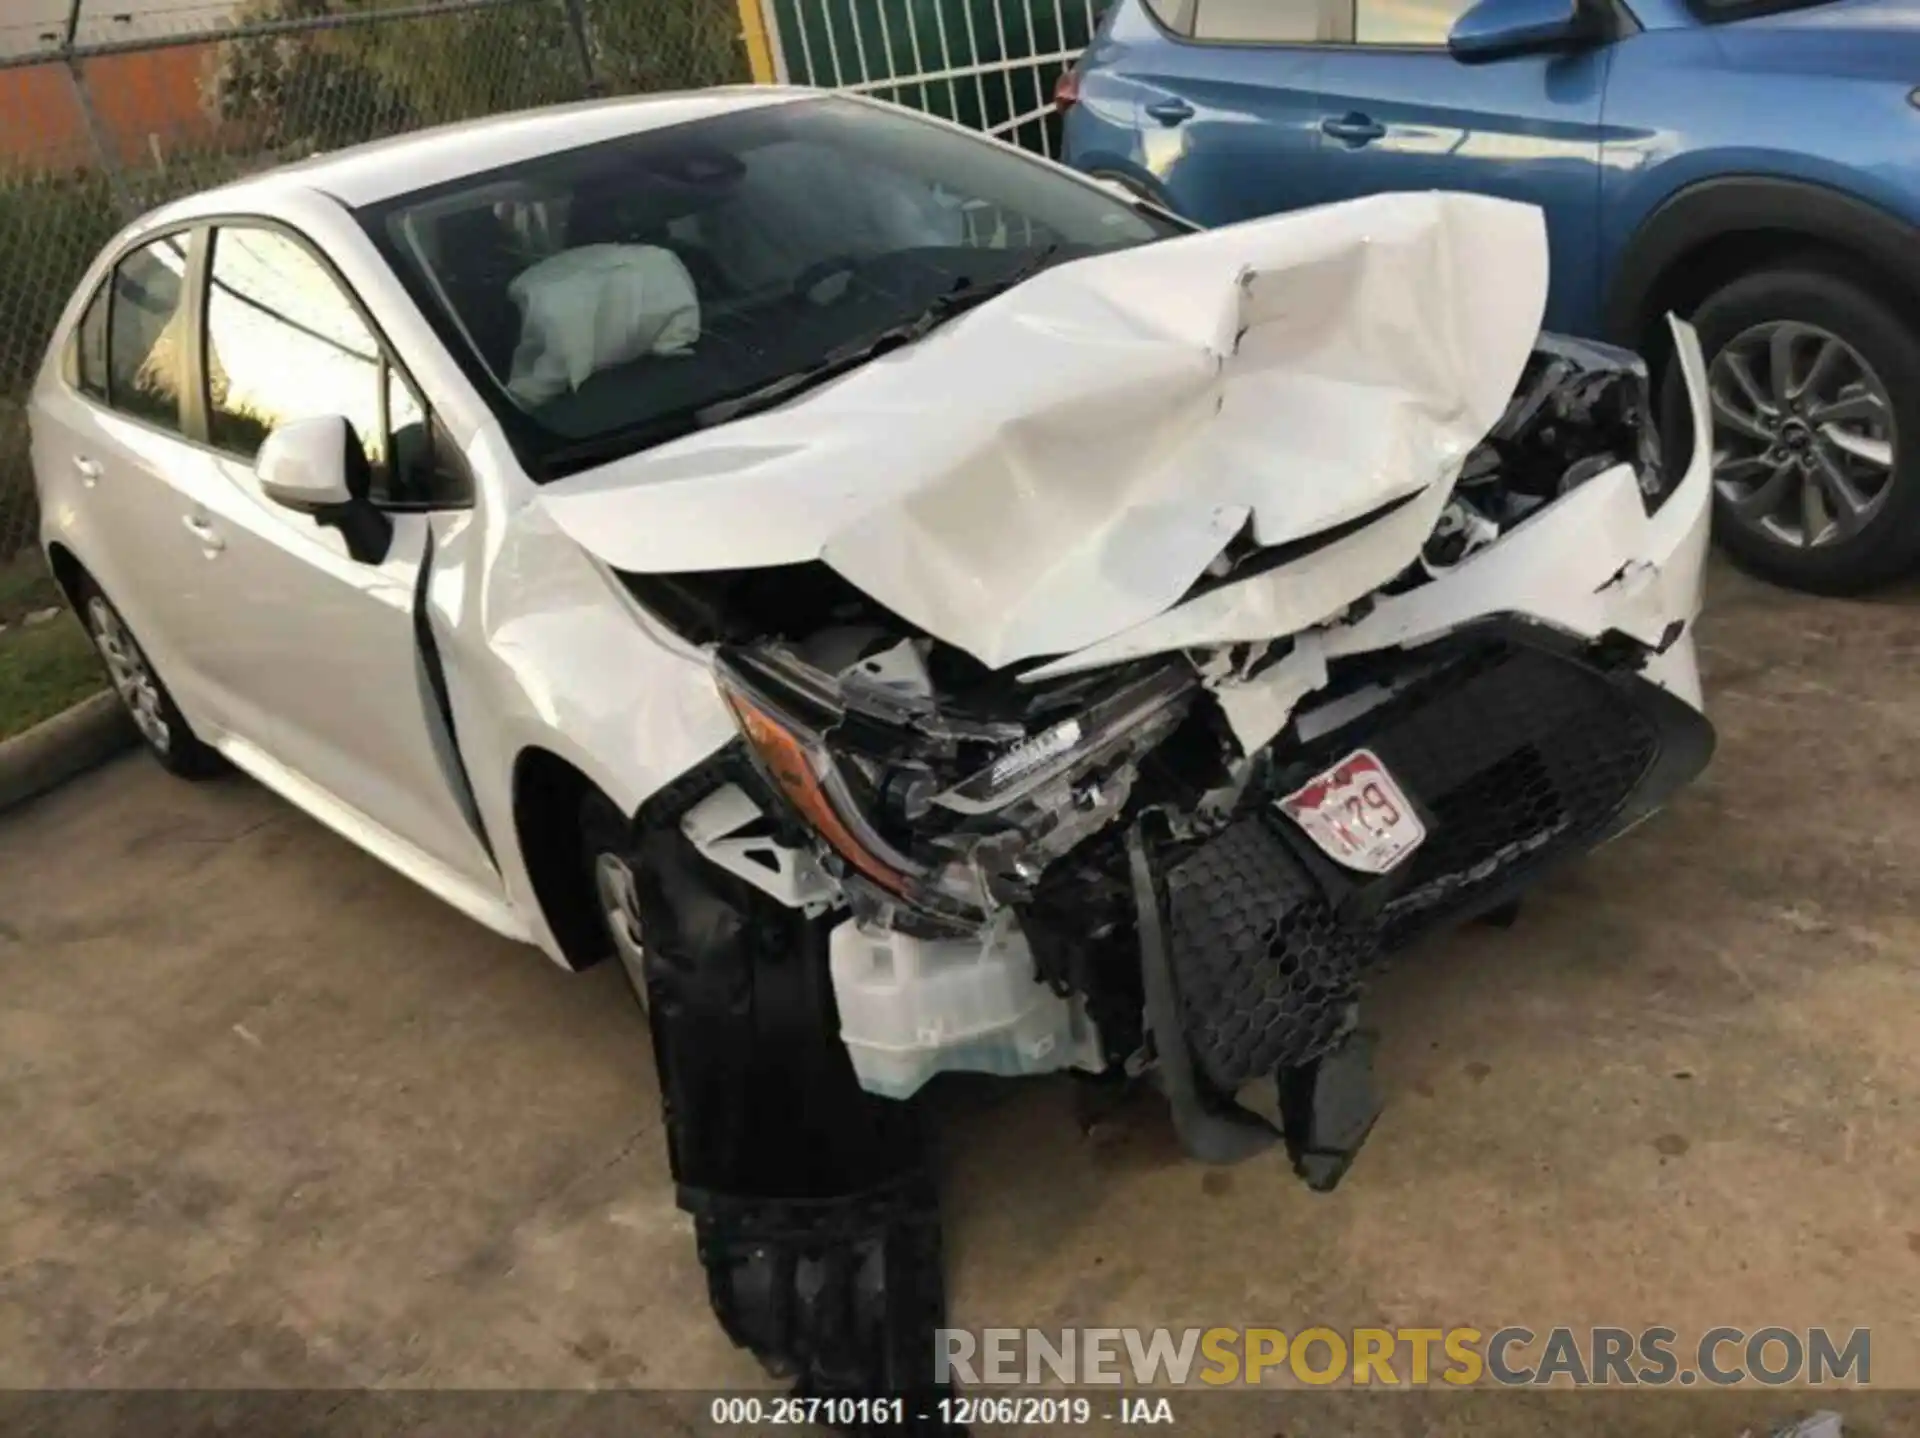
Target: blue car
(1754, 166)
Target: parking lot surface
(270, 1116)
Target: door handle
(1353, 129)
(201, 528)
(1170, 111)
(87, 469)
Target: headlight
(799, 765)
(1071, 745)
(870, 785)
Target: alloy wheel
(620, 907)
(127, 668)
(1803, 434)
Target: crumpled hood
(1064, 462)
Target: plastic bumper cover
(1519, 747)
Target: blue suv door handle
(1353, 129)
(1170, 111)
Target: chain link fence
(105, 113)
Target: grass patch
(44, 668)
(26, 587)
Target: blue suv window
(1272, 22)
(1176, 15)
(1406, 22)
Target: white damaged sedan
(916, 608)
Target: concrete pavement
(269, 1115)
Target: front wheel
(1815, 383)
(606, 845)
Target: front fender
(556, 656)
(1710, 209)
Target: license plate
(1357, 814)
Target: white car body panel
(625, 701)
(1046, 474)
(476, 901)
(1064, 463)
(123, 494)
(1557, 565)
(1593, 562)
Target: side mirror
(1503, 29)
(303, 464)
(317, 466)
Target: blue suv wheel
(1816, 397)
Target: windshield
(610, 297)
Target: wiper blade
(602, 448)
(834, 363)
(851, 356)
(620, 443)
(966, 296)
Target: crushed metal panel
(1589, 562)
(1063, 463)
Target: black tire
(145, 696)
(1887, 542)
(606, 839)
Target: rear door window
(147, 333)
(87, 359)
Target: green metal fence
(989, 64)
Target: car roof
(367, 174)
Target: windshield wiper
(836, 362)
(601, 448)
(851, 356)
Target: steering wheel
(816, 275)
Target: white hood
(1063, 463)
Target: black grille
(1514, 753)
(1515, 756)
(1264, 972)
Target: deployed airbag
(590, 308)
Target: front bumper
(1521, 747)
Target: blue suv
(1754, 166)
